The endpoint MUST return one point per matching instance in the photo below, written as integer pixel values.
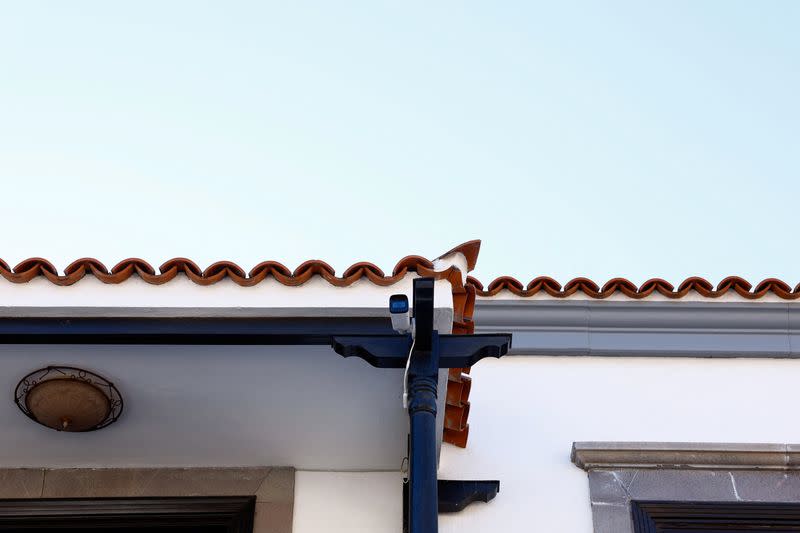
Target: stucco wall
(527, 411)
(355, 502)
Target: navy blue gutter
(187, 330)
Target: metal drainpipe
(423, 380)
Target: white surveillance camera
(400, 312)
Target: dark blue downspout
(429, 350)
(423, 380)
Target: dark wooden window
(129, 515)
(686, 517)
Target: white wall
(355, 502)
(527, 411)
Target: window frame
(235, 513)
(760, 481)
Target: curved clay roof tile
(474, 282)
(584, 285)
(133, 264)
(84, 264)
(411, 263)
(506, 282)
(626, 287)
(363, 268)
(266, 268)
(589, 288)
(545, 283)
(469, 250)
(228, 267)
(656, 285)
(779, 287)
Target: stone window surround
(620, 472)
(272, 487)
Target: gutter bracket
(391, 351)
(455, 495)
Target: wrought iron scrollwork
(48, 373)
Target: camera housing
(400, 313)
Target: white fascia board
(644, 328)
(182, 297)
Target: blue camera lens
(398, 303)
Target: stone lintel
(622, 472)
(272, 487)
(685, 455)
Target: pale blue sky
(641, 139)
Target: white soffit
(301, 406)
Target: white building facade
(617, 409)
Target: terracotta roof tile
(36, 267)
(629, 289)
(469, 250)
(459, 384)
